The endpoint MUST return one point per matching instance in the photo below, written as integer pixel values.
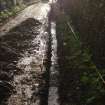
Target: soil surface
(23, 53)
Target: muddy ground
(43, 63)
(21, 77)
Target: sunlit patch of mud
(27, 45)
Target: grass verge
(81, 83)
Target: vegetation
(89, 19)
(10, 8)
(8, 13)
(76, 64)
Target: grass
(4, 15)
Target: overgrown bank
(7, 13)
(81, 83)
(10, 9)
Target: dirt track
(37, 11)
(23, 52)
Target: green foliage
(78, 57)
(93, 86)
(11, 12)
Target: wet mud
(22, 71)
(69, 78)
